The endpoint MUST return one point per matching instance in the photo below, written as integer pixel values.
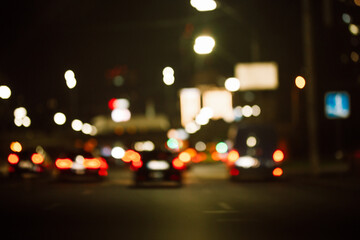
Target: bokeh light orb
(59, 118)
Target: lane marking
(231, 220)
(225, 206)
(219, 211)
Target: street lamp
(59, 118)
(70, 79)
(204, 44)
(5, 92)
(168, 76)
(203, 5)
(300, 82)
(76, 125)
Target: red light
(174, 177)
(13, 158)
(234, 172)
(137, 164)
(278, 156)
(37, 158)
(92, 163)
(278, 172)
(11, 169)
(111, 103)
(103, 172)
(104, 164)
(178, 164)
(63, 163)
(216, 156)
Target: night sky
(40, 40)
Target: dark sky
(42, 39)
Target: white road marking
(225, 206)
(219, 211)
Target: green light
(221, 147)
(172, 143)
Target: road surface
(207, 207)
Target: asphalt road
(208, 206)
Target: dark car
(29, 163)
(255, 153)
(74, 165)
(158, 166)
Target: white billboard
(257, 75)
(220, 101)
(190, 104)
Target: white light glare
(251, 141)
(86, 128)
(118, 152)
(192, 127)
(5, 92)
(144, 146)
(59, 118)
(168, 76)
(203, 5)
(26, 121)
(247, 111)
(76, 125)
(232, 84)
(247, 162)
(20, 113)
(70, 79)
(204, 116)
(120, 115)
(204, 44)
(200, 146)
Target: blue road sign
(337, 105)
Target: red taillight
(13, 158)
(103, 172)
(37, 158)
(278, 156)
(234, 172)
(92, 163)
(277, 172)
(131, 155)
(63, 163)
(137, 164)
(103, 164)
(178, 164)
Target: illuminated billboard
(190, 104)
(220, 101)
(257, 75)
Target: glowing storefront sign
(257, 76)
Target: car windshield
(156, 155)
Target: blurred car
(28, 163)
(80, 165)
(157, 166)
(255, 154)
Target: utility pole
(308, 50)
